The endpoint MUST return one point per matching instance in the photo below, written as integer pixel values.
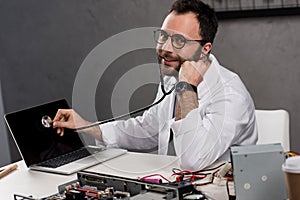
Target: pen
(8, 170)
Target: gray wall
(43, 43)
(265, 53)
(5, 150)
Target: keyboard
(66, 158)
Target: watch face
(180, 87)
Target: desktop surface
(131, 165)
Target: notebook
(42, 149)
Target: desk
(131, 165)
(28, 182)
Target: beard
(170, 63)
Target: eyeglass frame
(201, 42)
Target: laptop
(44, 150)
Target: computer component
(97, 186)
(257, 172)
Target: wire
(185, 175)
(202, 170)
(165, 93)
(210, 169)
(48, 124)
(121, 116)
(152, 175)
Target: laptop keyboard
(65, 159)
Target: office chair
(273, 127)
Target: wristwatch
(183, 86)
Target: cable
(47, 122)
(130, 113)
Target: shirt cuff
(192, 120)
(109, 135)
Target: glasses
(178, 41)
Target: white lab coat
(225, 117)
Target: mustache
(167, 56)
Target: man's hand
(67, 118)
(193, 72)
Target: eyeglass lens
(161, 37)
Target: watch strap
(184, 86)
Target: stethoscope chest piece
(46, 121)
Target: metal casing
(257, 172)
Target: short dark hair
(206, 16)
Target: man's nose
(167, 46)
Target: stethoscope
(47, 122)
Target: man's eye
(179, 40)
(163, 37)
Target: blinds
(231, 5)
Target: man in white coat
(209, 110)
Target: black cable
(125, 115)
(165, 93)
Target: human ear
(207, 48)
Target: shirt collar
(212, 78)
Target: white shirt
(225, 117)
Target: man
(210, 109)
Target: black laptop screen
(35, 142)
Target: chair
(273, 127)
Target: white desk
(28, 182)
(131, 165)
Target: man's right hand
(67, 118)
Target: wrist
(182, 86)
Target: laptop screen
(35, 142)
